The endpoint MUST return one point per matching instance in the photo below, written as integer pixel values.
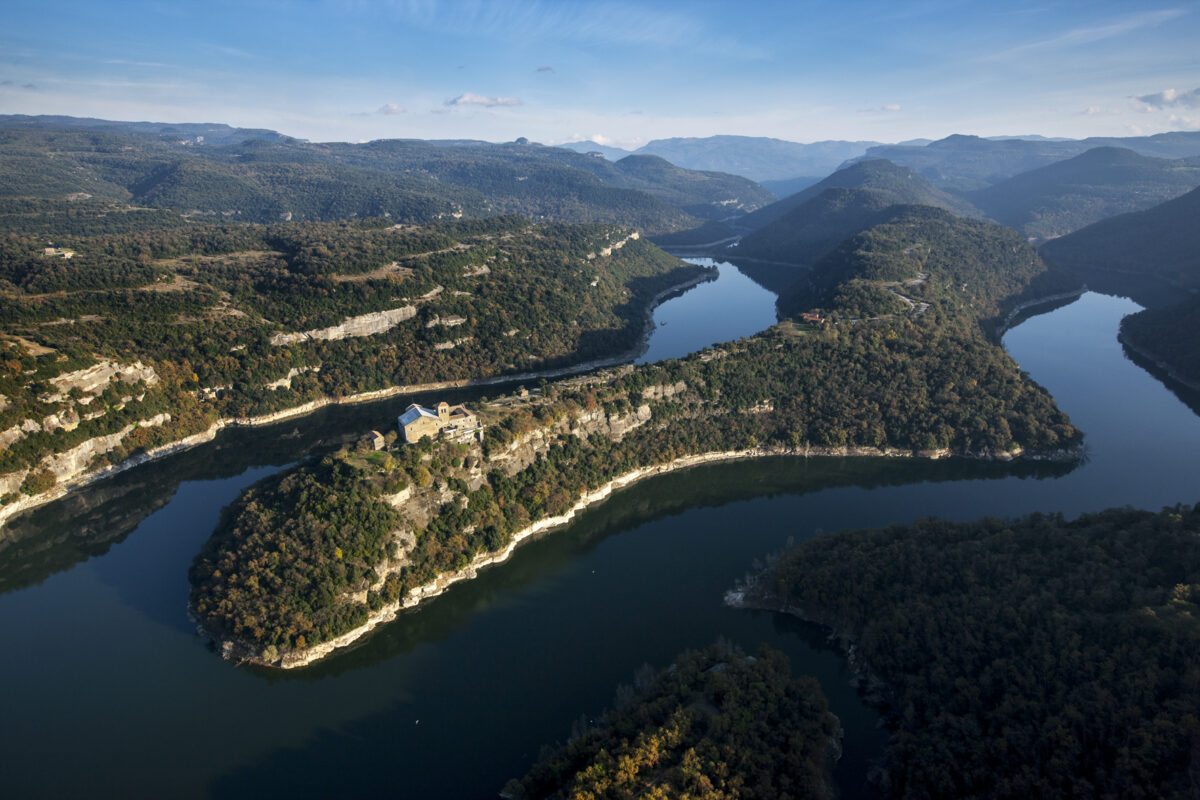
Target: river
(109, 691)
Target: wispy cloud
(545, 69)
(390, 109)
(1170, 98)
(1092, 33)
(611, 22)
(889, 108)
(472, 99)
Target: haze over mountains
(267, 177)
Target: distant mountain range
(755, 157)
(261, 176)
(1067, 195)
(970, 163)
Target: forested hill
(715, 724)
(1169, 335)
(1162, 242)
(972, 268)
(1033, 657)
(265, 179)
(148, 337)
(1068, 195)
(970, 163)
(806, 233)
(895, 362)
(899, 184)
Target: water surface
(110, 692)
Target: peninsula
(310, 560)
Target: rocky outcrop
(96, 378)
(362, 325)
(608, 251)
(286, 381)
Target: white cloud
(472, 99)
(390, 109)
(891, 107)
(1171, 98)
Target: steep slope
(1067, 195)
(808, 232)
(1169, 336)
(901, 185)
(1161, 242)
(970, 163)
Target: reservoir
(110, 691)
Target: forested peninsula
(1168, 336)
(1031, 657)
(115, 345)
(898, 363)
(716, 723)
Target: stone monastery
(448, 422)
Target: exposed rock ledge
(236, 651)
(362, 325)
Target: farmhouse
(448, 422)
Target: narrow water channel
(109, 691)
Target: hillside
(266, 179)
(1168, 335)
(929, 257)
(900, 185)
(898, 363)
(1159, 243)
(140, 339)
(1067, 195)
(1032, 657)
(716, 723)
(809, 231)
(970, 163)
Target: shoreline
(236, 651)
(1003, 326)
(1165, 366)
(88, 477)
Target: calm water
(109, 691)
(731, 307)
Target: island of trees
(1031, 657)
(335, 544)
(717, 723)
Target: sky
(619, 73)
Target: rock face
(76, 460)
(363, 325)
(96, 378)
(608, 251)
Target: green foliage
(908, 382)
(1029, 657)
(1160, 242)
(201, 304)
(1169, 335)
(715, 724)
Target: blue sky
(619, 72)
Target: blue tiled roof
(415, 412)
